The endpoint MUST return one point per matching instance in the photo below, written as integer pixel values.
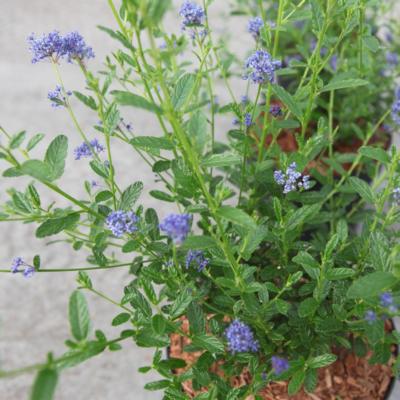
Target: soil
(349, 378)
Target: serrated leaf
(180, 304)
(288, 100)
(296, 382)
(371, 285)
(17, 140)
(209, 343)
(55, 156)
(37, 169)
(183, 90)
(308, 307)
(120, 319)
(152, 142)
(79, 316)
(34, 141)
(134, 100)
(130, 196)
(221, 160)
(53, 226)
(376, 153)
(362, 188)
(158, 324)
(322, 361)
(335, 274)
(199, 243)
(346, 83)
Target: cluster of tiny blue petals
(291, 180)
(177, 227)
(196, 257)
(396, 107)
(46, 46)
(254, 26)
(86, 150)
(392, 59)
(244, 100)
(19, 262)
(248, 119)
(56, 97)
(261, 67)
(370, 317)
(240, 338)
(72, 46)
(275, 110)
(192, 14)
(121, 222)
(279, 365)
(387, 301)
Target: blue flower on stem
(370, 317)
(254, 26)
(18, 262)
(57, 97)
(75, 47)
(261, 67)
(86, 150)
(192, 14)
(121, 222)
(279, 365)
(197, 257)
(292, 180)
(240, 338)
(176, 226)
(248, 119)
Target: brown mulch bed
(349, 378)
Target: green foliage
(303, 262)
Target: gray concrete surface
(33, 313)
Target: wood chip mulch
(349, 378)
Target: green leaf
(197, 130)
(322, 361)
(159, 324)
(147, 338)
(197, 321)
(308, 307)
(79, 316)
(152, 142)
(87, 100)
(236, 216)
(309, 263)
(55, 156)
(45, 385)
(17, 140)
(253, 240)
(371, 285)
(296, 382)
(199, 243)
(288, 100)
(311, 380)
(160, 195)
(183, 90)
(221, 160)
(345, 83)
(56, 225)
(130, 196)
(362, 188)
(376, 153)
(301, 215)
(120, 319)
(180, 304)
(157, 385)
(134, 100)
(209, 343)
(34, 141)
(100, 169)
(335, 274)
(37, 169)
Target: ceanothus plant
(273, 255)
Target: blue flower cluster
(192, 14)
(240, 338)
(370, 316)
(392, 59)
(19, 262)
(196, 257)
(275, 110)
(121, 222)
(396, 107)
(86, 150)
(72, 46)
(57, 97)
(292, 180)
(254, 26)
(248, 120)
(177, 226)
(279, 365)
(396, 195)
(261, 67)
(387, 301)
